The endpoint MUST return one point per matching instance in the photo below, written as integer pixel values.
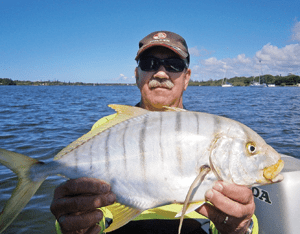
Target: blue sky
(97, 40)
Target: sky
(96, 41)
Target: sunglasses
(170, 64)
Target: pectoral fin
(191, 207)
(121, 215)
(204, 170)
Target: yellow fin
(169, 108)
(192, 207)
(204, 170)
(26, 187)
(131, 111)
(121, 215)
(124, 113)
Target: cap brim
(177, 50)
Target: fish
(150, 159)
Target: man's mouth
(161, 83)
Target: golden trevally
(152, 159)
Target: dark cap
(166, 39)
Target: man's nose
(161, 73)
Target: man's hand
(75, 205)
(232, 209)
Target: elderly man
(162, 76)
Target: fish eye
(251, 147)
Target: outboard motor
(278, 205)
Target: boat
(271, 85)
(277, 205)
(258, 85)
(226, 84)
(255, 84)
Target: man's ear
(187, 78)
(136, 73)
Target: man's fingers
(81, 186)
(228, 206)
(238, 193)
(73, 222)
(85, 203)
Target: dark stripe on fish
(76, 160)
(142, 139)
(198, 133)
(178, 141)
(197, 121)
(160, 138)
(124, 147)
(216, 124)
(91, 157)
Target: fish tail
(26, 187)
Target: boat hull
(277, 205)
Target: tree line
(8, 81)
(289, 80)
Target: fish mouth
(271, 173)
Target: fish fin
(170, 108)
(123, 113)
(192, 207)
(204, 170)
(121, 215)
(26, 188)
(131, 111)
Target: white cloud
(269, 60)
(296, 32)
(281, 60)
(124, 79)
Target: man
(162, 76)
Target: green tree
(6, 81)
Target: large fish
(152, 159)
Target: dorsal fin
(123, 113)
(131, 111)
(170, 108)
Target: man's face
(161, 88)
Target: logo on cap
(160, 35)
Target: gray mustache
(161, 83)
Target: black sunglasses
(170, 64)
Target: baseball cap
(166, 39)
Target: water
(39, 121)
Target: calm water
(39, 121)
